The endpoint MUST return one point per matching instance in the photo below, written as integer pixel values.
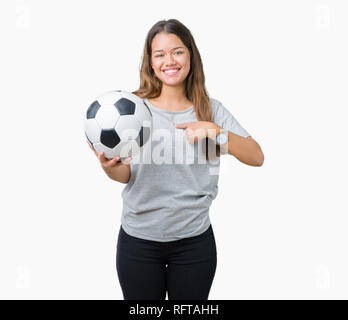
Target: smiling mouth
(171, 73)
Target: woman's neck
(172, 96)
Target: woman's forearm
(120, 173)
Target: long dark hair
(151, 86)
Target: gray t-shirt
(171, 186)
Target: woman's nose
(170, 58)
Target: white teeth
(171, 71)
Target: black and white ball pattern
(118, 123)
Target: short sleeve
(223, 117)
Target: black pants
(184, 268)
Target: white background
(280, 67)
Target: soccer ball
(118, 123)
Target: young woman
(166, 243)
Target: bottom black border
(190, 309)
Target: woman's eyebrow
(172, 49)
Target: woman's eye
(160, 55)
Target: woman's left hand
(198, 130)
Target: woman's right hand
(107, 164)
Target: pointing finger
(181, 125)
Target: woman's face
(169, 52)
